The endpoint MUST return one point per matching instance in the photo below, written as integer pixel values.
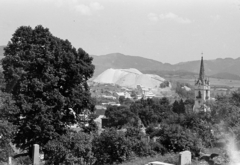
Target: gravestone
(9, 160)
(36, 154)
(185, 158)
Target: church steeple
(202, 91)
(201, 73)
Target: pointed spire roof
(201, 73)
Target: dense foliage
(119, 116)
(6, 128)
(73, 147)
(111, 147)
(226, 112)
(175, 127)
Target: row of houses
(139, 93)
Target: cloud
(174, 17)
(75, 5)
(83, 9)
(59, 3)
(215, 17)
(96, 6)
(88, 9)
(153, 17)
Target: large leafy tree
(47, 78)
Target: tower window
(199, 95)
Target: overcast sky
(169, 31)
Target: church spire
(201, 73)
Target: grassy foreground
(168, 158)
(173, 158)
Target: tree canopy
(120, 116)
(47, 79)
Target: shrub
(164, 84)
(74, 147)
(111, 147)
(141, 148)
(138, 142)
(157, 147)
(175, 138)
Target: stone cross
(185, 158)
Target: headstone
(185, 158)
(9, 160)
(36, 154)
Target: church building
(202, 91)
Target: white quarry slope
(113, 75)
(149, 80)
(110, 76)
(129, 78)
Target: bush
(111, 147)
(150, 129)
(74, 147)
(164, 84)
(142, 148)
(175, 138)
(157, 147)
(138, 142)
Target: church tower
(202, 91)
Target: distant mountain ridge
(121, 61)
(227, 68)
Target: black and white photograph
(119, 82)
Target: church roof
(201, 73)
(201, 78)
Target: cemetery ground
(171, 158)
(168, 158)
